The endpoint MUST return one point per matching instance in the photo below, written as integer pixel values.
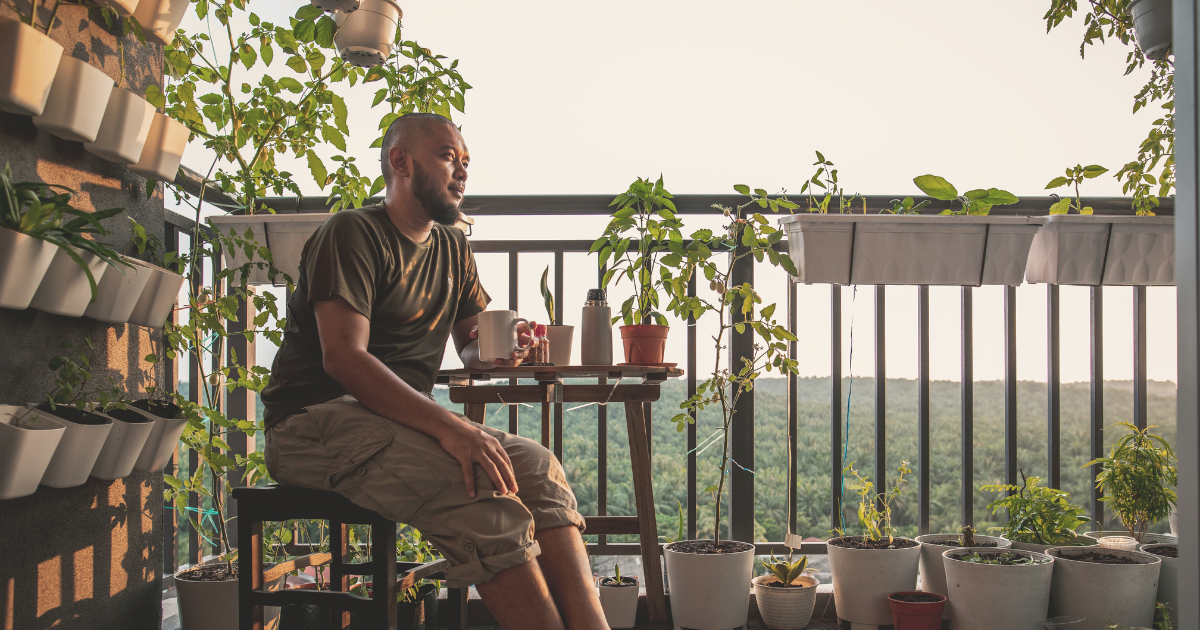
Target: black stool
(280, 503)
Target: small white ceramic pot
(345, 6)
(1115, 593)
(65, 289)
(78, 450)
(1118, 542)
(709, 592)
(123, 7)
(119, 291)
(77, 101)
(785, 608)
(123, 132)
(997, 597)
(365, 37)
(163, 149)
(161, 444)
(160, 18)
(1147, 538)
(863, 578)
(561, 339)
(28, 62)
(620, 603)
(933, 570)
(157, 299)
(123, 444)
(23, 263)
(1152, 26)
(27, 442)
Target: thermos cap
(596, 295)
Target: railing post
(242, 402)
(968, 408)
(1139, 358)
(513, 259)
(1097, 398)
(835, 406)
(741, 491)
(923, 428)
(1010, 385)
(880, 391)
(558, 316)
(692, 366)
(1053, 425)
(791, 408)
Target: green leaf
(1057, 182)
(318, 169)
(936, 187)
(211, 99)
(334, 137)
(997, 197)
(304, 31)
(1094, 170)
(296, 62)
(155, 97)
(268, 53)
(308, 12)
(291, 85)
(1061, 207)
(325, 29)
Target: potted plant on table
(1038, 517)
(867, 568)
(785, 595)
(619, 599)
(998, 589)
(561, 337)
(933, 569)
(708, 577)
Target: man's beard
(433, 199)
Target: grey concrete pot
(997, 597)
(1039, 548)
(933, 571)
(862, 579)
(1168, 579)
(710, 592)
(1104, 593)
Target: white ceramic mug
(498, 334)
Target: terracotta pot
(644, 343)
(917, 615)
(28, 62)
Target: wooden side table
(466, 388)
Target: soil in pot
(71, 414)
(125, 415)
(612, 581)
(218, 572)
(1167, 551)
(159, 408)
(1005, 559)
(856, 542)
(1099, 557)
(916, 598)
(706, 547)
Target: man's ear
(399, 161)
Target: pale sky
(574, 98)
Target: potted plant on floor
(28, 62)
(1038, 517)
(916, 610)
(1138, 479)
(998, 589)
(1104, 584)
(709, 577)
(933, 570)
(867, 568)
(619, 599)
(561, 337)
(784, 594)
(28, 440)
(636, 245)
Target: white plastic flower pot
(163, 149)
(785, 608)
(1147, 539)
(710, 592)
(28, 62)
(123, 132)
(77, 101)
(909, 249)
(27, 442)
(123, 444)
(561, 338)
(123, 7)
(365, 37)
(283, 234)
(1168, 578)
(158, 298)
(23, 263)
(619, 604)
(1152, 26)
(160, 445)
(933, 570)
(214, 605)
(119, 291)
(1092, 250)
(65, 289)
(78, 450)
(1104, 593)
(345, 6)
(862, 579)
(997, 597)
(160, 18)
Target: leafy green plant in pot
(708, 577)
(867, 568)
(785, 595)
(933, 568)
(561, 337)
(637, 243)
(1038, 517)
(619, 599)
(1138, 479)
(159, 407)
(998, 589)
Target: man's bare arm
(344, 333)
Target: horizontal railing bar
(333, 599)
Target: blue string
(208, 514)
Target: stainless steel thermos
(596, 330)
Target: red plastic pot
(644, 344)
(917, 615)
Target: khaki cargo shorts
(406, 476)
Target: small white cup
(498, 334)
(1119, 542)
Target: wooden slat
(643, 489)
(499, 394)
(566, 371)
(612, 525)
(283, 568)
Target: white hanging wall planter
(157, 299)
(1152, 26)
(345, 6)
(123, 444)
(65, 289)
(74, 110)
(160, 18)
(28, 62)
(79, 448)
(127, 120)
(23, 263)
(1092, 250)
(124, 8)
(163, 437)
(163, 149)
(26, 446)
(118, 292)
(365, 36)
(283, 234)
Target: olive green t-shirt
(412, 293)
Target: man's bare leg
(519, 599)
(565, 565)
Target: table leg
(546, 424)
(475, 413)
(643, 488)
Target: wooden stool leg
(250, 574)
(643, 489)
(474, 412)
(456, 601)
(339, 548)
(383, 556)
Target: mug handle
(520, 319)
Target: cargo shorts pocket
(398, 484)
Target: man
(348, 406)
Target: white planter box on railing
(909, 249)
(163, 437)
(283, 234)
(23, 263)
(26, 446)
(28, 62)
(65, 289)
(76, 104)
(1094, 250)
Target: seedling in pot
(966, 536)
(826, 178)
(906, 206)
(548, 296)
(785, 571)
(1138, 479)
(617, 580)
(1005, 558)
(73, 384)
(875, 509)
(976, 202)
(1037, 514)
(1074, 176)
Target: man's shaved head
(404, 132)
